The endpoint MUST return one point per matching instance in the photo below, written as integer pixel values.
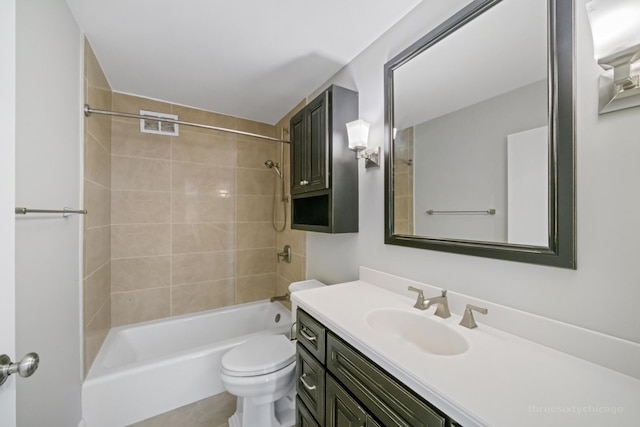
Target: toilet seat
(261, 355)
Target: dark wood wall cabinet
(337, 386)
(324, 172)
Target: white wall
(48, 160)
(602, 294)
(7, 196)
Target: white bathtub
(149, 368)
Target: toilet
(261, 373)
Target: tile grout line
(96, 183)
(235, 224)
(110, 298)
(190, 162)
(95, 315)
(100, 143)
(131, 291)
(171, 142)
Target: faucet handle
(420, 301)
(443, 307)
(467, 320)
(285, 255)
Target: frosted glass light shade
(615, 25)
(358, 132)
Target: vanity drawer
(310, 383)
(382, 395)
(303, 416)
(311, 334)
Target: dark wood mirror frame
(561, 251)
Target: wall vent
(154, 123)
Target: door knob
(25, 368)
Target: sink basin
(427, 335)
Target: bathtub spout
(284, 297)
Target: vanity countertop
(502, 380)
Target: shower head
(275, 166)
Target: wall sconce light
(615, 27)
(358, 132)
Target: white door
(528, 187)
(7, 198)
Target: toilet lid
(258, 356)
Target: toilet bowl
(261, 373)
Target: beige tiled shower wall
(403, 182)
(177, 224)
(212, 273)
(296, 270)
(97, 201)
(190, 215)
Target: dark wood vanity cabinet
(324, 172)
(337, 386)
(343, 410)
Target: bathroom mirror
(479, 135)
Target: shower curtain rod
(88, 111)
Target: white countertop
(502, 380)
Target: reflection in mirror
(462, 139)
(403, 181)
(473, 128)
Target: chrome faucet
(284, 297)
(442, 309)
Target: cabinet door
(342, 409)
(383, 396)
(371, 422)
(298, 147)
(303, 416)
(318, 134)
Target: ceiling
(254, 59)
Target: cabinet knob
(301, 182)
